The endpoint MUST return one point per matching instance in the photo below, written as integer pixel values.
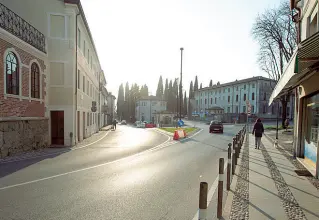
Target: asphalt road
(95, 183)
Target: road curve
(160, 184)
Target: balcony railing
(17, 26)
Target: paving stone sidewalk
(266, 186)
(285, 141)
(52, 150)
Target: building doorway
(57, 127)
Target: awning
(308, 54)
(304, 61)
(283, 84)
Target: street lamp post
(276, 141)
(180, 86)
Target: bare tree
(276, 34)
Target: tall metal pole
(180, 86)
(276, 141)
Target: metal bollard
(203, 189)
(234, 159)
(237, 147)
(228, 166)
(220, 188)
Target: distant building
(104, 107)
(111, 106)
(147, 107)
(232, 98)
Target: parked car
(216, 126)
(140, 124)
(123, 122)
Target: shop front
(301, 78)
(311, 125)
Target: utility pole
(180, 86)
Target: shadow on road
(14, 165)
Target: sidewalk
(285, 139)
(266, 186)
(52, 150)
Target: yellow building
(302, 78)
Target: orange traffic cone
(176, 137)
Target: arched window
(12, 74)
(35, 81)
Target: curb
(193, 132)
(231, 193)
(172, 134)
(38, 153)
(163, 132)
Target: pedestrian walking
(258, 132)
(286, 124)
(114, 124)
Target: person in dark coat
(114, 124)
(258, 131)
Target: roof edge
(78, 3)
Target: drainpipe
(76, 76)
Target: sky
(139, 40)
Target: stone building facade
(23, 95)
(233, 97)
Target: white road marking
(211, 192)
(50, 154)
(160, 146)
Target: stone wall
(23, 135)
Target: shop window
(312, 124)
(35, 81)
(12, 74)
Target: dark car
(216, 126)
